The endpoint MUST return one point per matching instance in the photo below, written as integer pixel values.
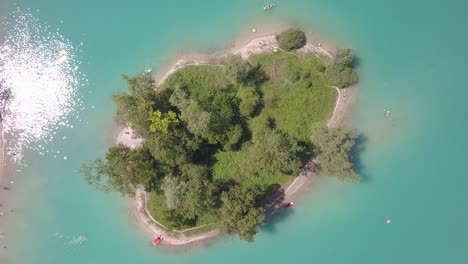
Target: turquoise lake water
(412, 60)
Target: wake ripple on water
(39, 82)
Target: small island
(216, 144)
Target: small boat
(157, 241)
(269, 6)
(288, 205)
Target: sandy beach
(292, 191)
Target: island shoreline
(294, 189)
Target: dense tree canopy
(123, 170)
(332, 147)
(341, 73)
(291, 39)
(237, 68)
(241, 213)
(161, 122)
(272, 153)
(250, 100)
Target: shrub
(341, 72)
(305, 74)
(291, 39)
(294, 75)
(249, 100)
(237, 68)
(341, 76)
(332, 147)
(321, 68)
(344, 57)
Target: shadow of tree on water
(356, 152)
(272, 221)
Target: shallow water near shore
(411, 61)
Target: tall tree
(174, 188)
(241, 213)
(291, 39)
(332, 147)
(341, 73)
(237, 68)
(196, 119)
(271, 153)
(123, 170)
(161, 122)
(250, 100)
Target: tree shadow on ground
(356, 157)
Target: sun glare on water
(39, 82)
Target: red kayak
(288, 205)
(157, 240)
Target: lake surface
(412, 61)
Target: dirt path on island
(293, 190)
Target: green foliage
(123, 170)
(207, 103)
(174, 188)
(271, 153)
(341, 76)
(175, 148)
(196, 119)
(233, 136)
(199, 196)
(344, 57)
(161, 122)
(341, 73)
(332, 147)
(223, 114)
(170, 218)
(241, 213)
(237, 68)
(217, 138)
(133, 107)
(291, 39)
(189, 194)
(296, 106)
(141, 86)
(250, 100)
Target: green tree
(196, 119)
(188, 194)
(141, 86)
(250, 100)
(237, 68)
(199, 196)
(291, 39)
(133, 107)
(271, 153)
(341, 76)
(161, 122)
(175, 148)
(344, 57)
(222, 111)
(241, 213)
(174, 188)
(123, 170)
(332, 147)
(233, 136)
(341, 73)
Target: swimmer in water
(387, 114)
